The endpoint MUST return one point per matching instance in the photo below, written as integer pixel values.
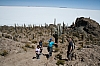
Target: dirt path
(25, 59)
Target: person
(37, 51)
(71, 47)
(41, 46)
(50, 45)
(56, 37)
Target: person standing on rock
(50, 45)
(37, 51)
(71, 47)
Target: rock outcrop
(90, 26)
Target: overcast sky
(81, 4)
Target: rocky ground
(89, 55)
(18, 44)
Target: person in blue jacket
(50, 45)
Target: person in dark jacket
(70, 48)
(41, 46)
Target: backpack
(73, 47)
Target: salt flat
(9, 15)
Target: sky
(80, 4)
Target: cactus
(45, 25)
(63, 28)
(15, 28)
(54, 21)
(51, 31)
(33, 36)
(59, 29)
(62, 38)
(24, 26)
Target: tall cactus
(51, 31)
(33, 36)
(63, 33)
(24, 26)
(21, 28)
(63, 28)
(55, 35)
(45, 25)
(1, 28)
(54, 21)
(59, 29)
(33, 26)
(15, 28)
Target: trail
(25, 59)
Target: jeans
(69, 55)
(50, 51)
(37, 56)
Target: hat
(50, 39)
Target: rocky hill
(90, 26)
(17, 44)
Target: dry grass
(24, 48)
(60, 62)
(34, 41)
(45, 44)
(33, 47)
(56, 49)
(27, 45)
(4, 53)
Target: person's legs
(37, 56)
(48, 48)
(50, 52)
(68, 55)
(41, 51)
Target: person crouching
(38, 52)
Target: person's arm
(70, 49)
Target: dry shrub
(58, 56)
(34, 41)
(27, 45)
(75, 40)
(87, 43)
(33, 47)
(30, 39)
(45, 44)
(76, 34)
(60, 37)
(61, 52)
(25, 49)
(4, 53)
(80, 47)
(60, 62)
(80, 42)
(56, 49)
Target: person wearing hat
(50, 45)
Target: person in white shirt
(37, 51)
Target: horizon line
(47, 6)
